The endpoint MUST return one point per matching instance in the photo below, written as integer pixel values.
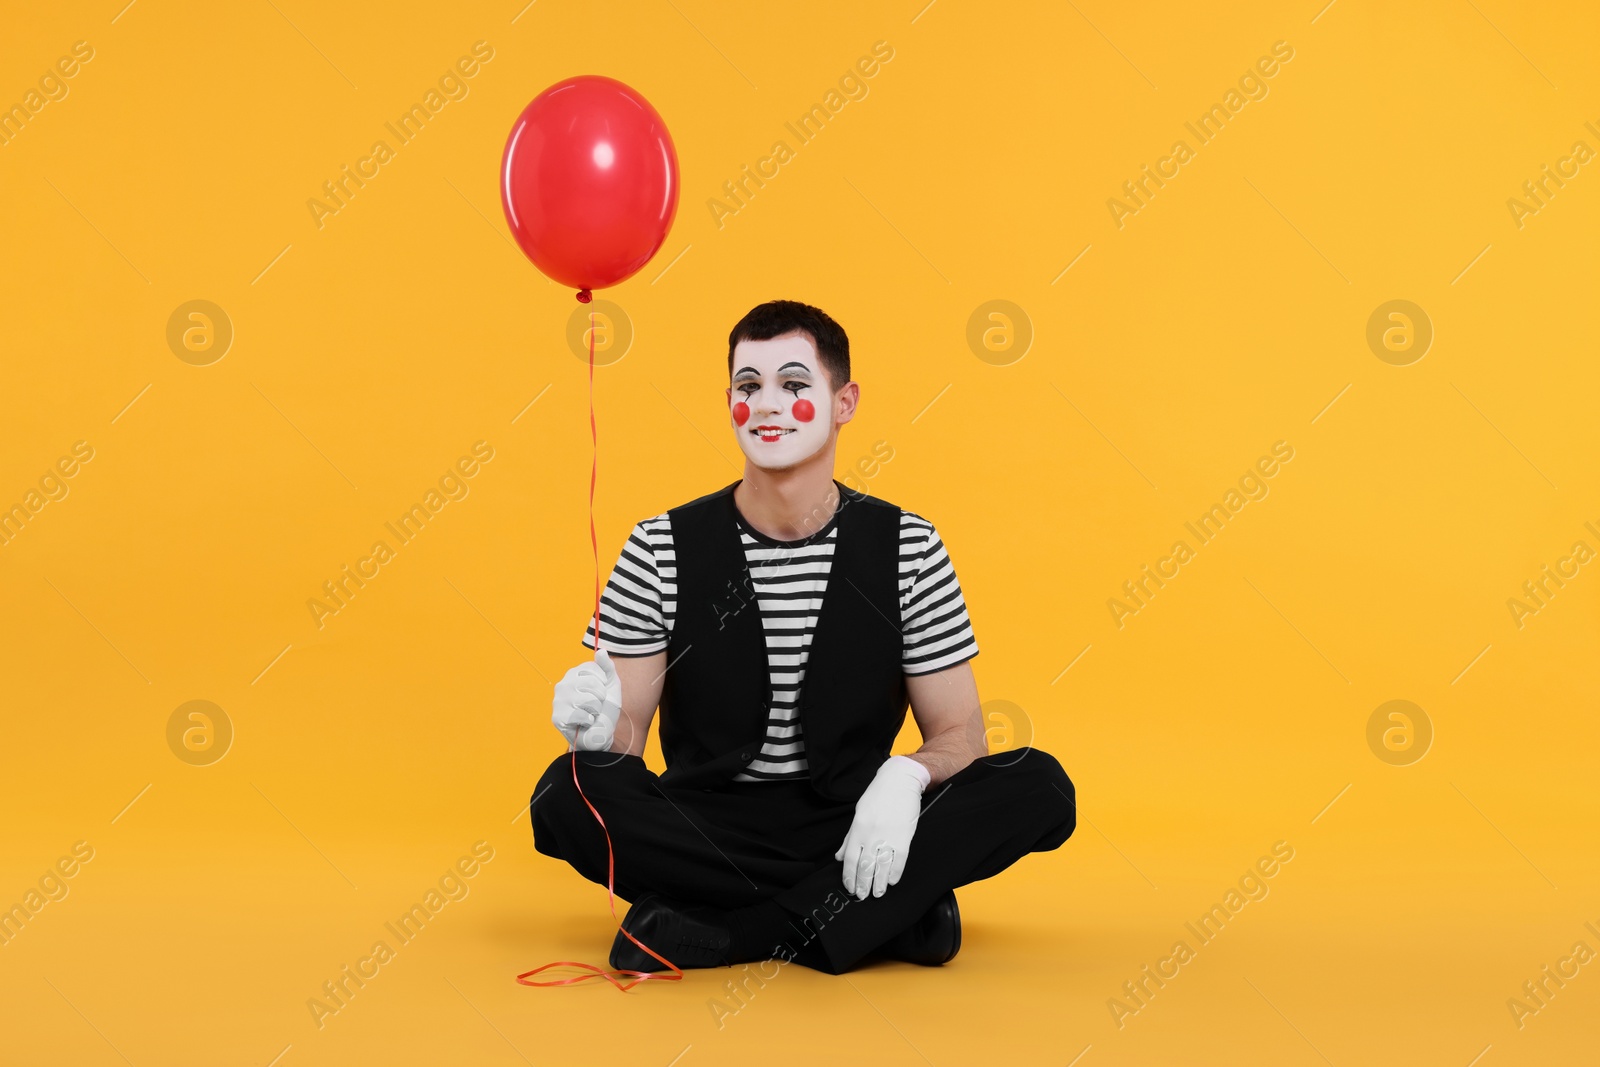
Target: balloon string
(611, 856)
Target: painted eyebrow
(800, 370)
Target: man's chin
(770, 466)
(774, 465)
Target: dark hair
(776, 318)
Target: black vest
(715, 698)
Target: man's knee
(549, 795)
(1050, 792)
(556, 801)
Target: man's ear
(729, 391)
(847, 399)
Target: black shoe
(689, 935)
(932, 940)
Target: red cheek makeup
(741, 413)
(803, 411)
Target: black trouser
(746, 842)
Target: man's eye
(795, 386)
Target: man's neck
(792, 504)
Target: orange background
(1231, 712)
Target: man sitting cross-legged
(782, 625)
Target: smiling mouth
(770, 434)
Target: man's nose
(769, 402)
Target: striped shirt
(639, 604)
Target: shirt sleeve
(632, 616)
(936, 630)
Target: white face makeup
(787, 410)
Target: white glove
(875, 850)
(587, 704)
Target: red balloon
(589, 182)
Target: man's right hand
(587, 704)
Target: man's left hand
(875, 850)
